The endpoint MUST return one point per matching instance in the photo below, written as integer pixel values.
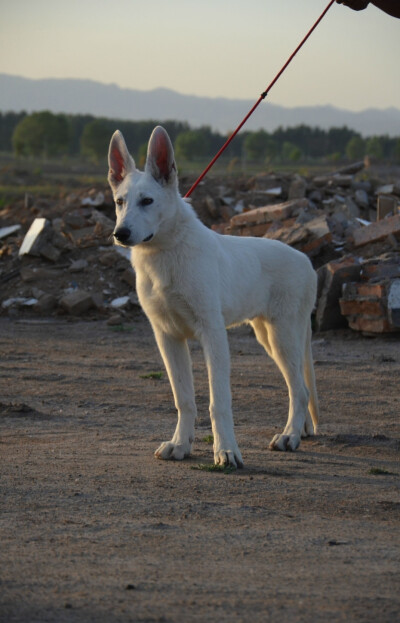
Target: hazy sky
(226, 48)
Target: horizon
(217, 97)
(349, 62)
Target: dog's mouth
(148, 238)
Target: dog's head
(142, 199)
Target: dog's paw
(285, 443)
(308, 428)
(173, 451)
(227, 458)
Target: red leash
(261, 98)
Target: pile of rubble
(57, 257)
(63, 261)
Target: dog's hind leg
(176, 357)
(286, 340)
(216, 354)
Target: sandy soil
(93, 528)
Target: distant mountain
(222, 114)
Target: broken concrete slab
(394, 303)
(386, 206)
(308, 238)
(377, 231)
(36, 236)
(9, 231)
(331, 278)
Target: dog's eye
(146, 201)
(119, 201)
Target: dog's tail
(309, 376)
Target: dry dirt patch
(93, 528)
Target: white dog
(193, 283)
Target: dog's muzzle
(123, 234)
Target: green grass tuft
(152, 375)
(377, 471)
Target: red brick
(314, 245)
(371, 289)
(381, 269)
(255, 230)
(331, 278)
(370, 325)
(370, 307)
(377, 231)
(220, 228)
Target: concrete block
(331, 278)
(394, 303)
(267, 214)
(77, 302)
(377, 231)
(36, 236)
(386, 205)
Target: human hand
(356, 5)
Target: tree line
(48, 135)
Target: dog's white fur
(193, 283)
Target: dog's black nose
(122, 234)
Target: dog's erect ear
(120, 161)
(160, 157)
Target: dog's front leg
(216, 354)
(176, 357)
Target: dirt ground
(94, 528)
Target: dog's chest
(164, 303)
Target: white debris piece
(7, 231)
(96, 201)
(34, 233)
(120, 302)
(19, 301)
(274, 192)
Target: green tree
(396, 150)
(374, 147)
(8, 123)
(255, 145)
(291, 152)
(41, 134)
(95, 139)
(355, 148)
(191, 145)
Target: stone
(78, 266)
(49, 252)
(46, 303)
(297, 188)
(97, 200)
(361, 198)
(129, 277)
(114, 320)
(77, 302)
(351, 169)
